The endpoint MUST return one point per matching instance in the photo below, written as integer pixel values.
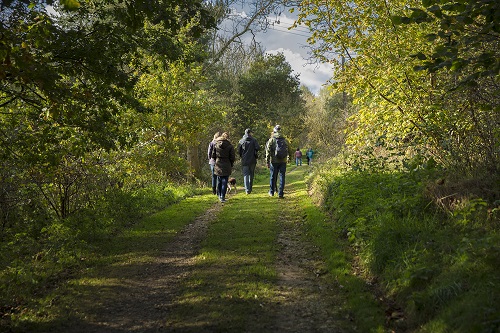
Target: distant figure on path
(309, 155)
(298, 157)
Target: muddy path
(141, 297)
(138, 297)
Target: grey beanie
(277, 128)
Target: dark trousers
(277, 169)
(214, 179)
(222, 186)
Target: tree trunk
(193, 158)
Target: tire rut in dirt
(308, 303)
(141, 299)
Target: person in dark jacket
(211, 162)
(224, 160)
(276, 165)
(247, 149)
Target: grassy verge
(441, 271)
(360, 303)
(56, 295)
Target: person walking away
(248, 148)
(298, 157)
(309, 154)
(224, 156)
(276, 157)
(211, 162)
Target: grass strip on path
(234, 274)
(236, 284)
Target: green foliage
(32, 263)
(325, 121)
(465, 37)
(440, 269)
(270, 95)
(428, 110)
(71, 109)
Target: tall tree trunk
(193, 158)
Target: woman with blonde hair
(211, 162)
(224, 156)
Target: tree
(414, 111)
(181, 108)
(465, 38)
(270, 95)
(325, 121)
(67, 82)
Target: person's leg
(252, 174)
(282, 171)
(219, 186)
(214, 179)
(223, 187)
(273, 176)
(246, 178)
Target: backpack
(281, 150)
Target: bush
(439, 265)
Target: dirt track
(142, 296)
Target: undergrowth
(34, 261)
(439, 268)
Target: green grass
(441, 271)
(52, 294)
(379, 236)
(359, 301)
(235, 278)
(234, 274)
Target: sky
(293, 45)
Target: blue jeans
(277, 168)
(222, 186)
(298, 160)
(214, 179)
(248, 173)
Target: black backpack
(281, 150)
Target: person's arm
(240, 149)
(268, 151)
(232, 155)
(209, 152)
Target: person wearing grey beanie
(276, 158)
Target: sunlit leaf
(70, 4)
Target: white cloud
(293, 44)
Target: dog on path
(231, 183)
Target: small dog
(231, 183)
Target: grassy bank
(43, 272)
(438, 271)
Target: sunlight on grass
(88, 281)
